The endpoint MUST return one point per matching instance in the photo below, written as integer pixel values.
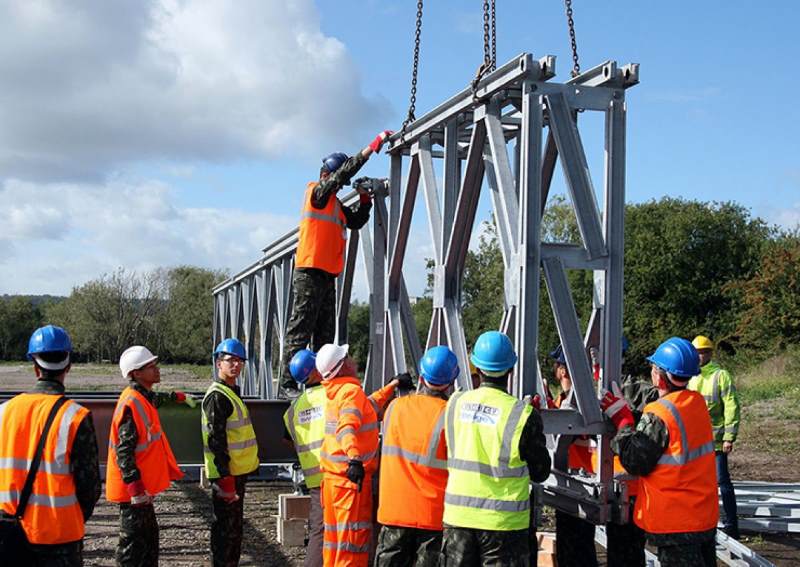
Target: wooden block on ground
(547, 559)
(546, 541)
(291, 532)
(294, 506)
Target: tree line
(690, 268)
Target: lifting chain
(412, 106)
(576, 67)
(489, 44)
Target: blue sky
(178, 133)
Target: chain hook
(412, 107)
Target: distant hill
(36, 300)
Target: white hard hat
(330, 359)
(134, 358)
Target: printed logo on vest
(479, 413)
(309, 415)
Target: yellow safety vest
(488, 485)
(242, 445)
(305, 420)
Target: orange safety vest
(154, 457)
(53, 514)
(680, 493)
(619, 473)
(413, 463)
(323, 233)
(351, 425)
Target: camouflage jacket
(218, 408)
(129, 438)
(357, 215)
(640, 448)
(83, 457)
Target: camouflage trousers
(313, 319)
(625, 543)
(226, 527)
(574, 541)
(466, 547)
(694, 549)
(59, 555)
(408, 547)
(138, 536)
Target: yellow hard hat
(472, 369)
(700, 343)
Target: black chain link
(576, 67)
(494, 39)
(412, 107)
(489, 44)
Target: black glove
(355, 472)
(405, 382)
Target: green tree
(19, 317)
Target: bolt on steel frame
(512, 107)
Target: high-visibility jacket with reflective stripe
(154, 457)
(413, 463)
(717, 388)
(305, 421)
(242, 444)
(620, 474)
(680, 493)
(323, 233)
(351, 425)
(488, 485)
(53, 514)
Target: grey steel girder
(518, 106)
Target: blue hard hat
(558, 355)
(49, 339)
(439, 366)
(231, 346)
(677, 356)
(301, 365)
(493, 352)
(334, 161)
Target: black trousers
(227, 526)
(408, 547)
(466, 547)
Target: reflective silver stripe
(309, 446)
(344, 458)
(451, 423)
(242, 444)
(236, 424)
(717, 429)
(375, 406)
(25, 465)
(48, 500)
(487, 503)
(353, 411)
(63, 431)
(348, 429)
(433, 444)
(346, 546)
(368, 427)
(416, 458)
(323, 217)
(142, 413)
(708, 398)
(141, 446)
(330, 427)
(715, 387)
(488, 470)
(341, 526)
(686, 455)
(508, 434)
(312, 471)
(731, 429)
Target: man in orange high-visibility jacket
(349, 457)
(67, 484)
(140, 460)
(414, 468)
(671, 449)
(320, 254)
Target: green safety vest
(488, 486)
(242, 444)
(305, 421)
(717, 388)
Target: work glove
(138, 494)
(616, 408)
(404, 381)
(355, 472)
(182, 398)
(536, 402)
(225, 488)
(376, 144)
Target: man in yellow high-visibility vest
(495, 448)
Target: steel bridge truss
(510, 131)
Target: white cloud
(88, 87)
(95, 229)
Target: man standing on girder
(716, 386)
(66, 486)
(414, 468)
(230, 452)
(671, 449)
(349, 456)
(495, 448)
(140, 460)
(320, 254)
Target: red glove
(375, 145)
(225, 488)
(616, 408)
(139, 496)
(180, 397)
(364, 198)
